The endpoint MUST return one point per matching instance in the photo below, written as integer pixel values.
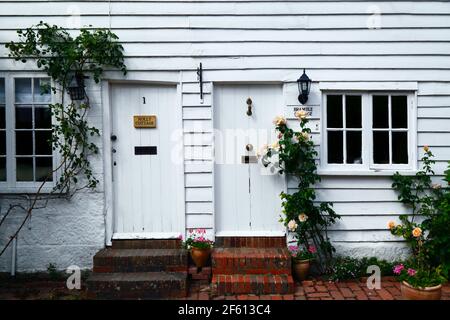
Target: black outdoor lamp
(304, 84)
(76, 87)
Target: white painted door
(246, 197)
(146, 200)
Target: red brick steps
(141, 260)
(252, 284)
(140, 269)
(137, 285)
(246, 265)
(251, 261)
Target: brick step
(141, 260)
(251, 261)
(147, 244)
(252, 284)
(250, 242)
(138, 285)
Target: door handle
(249, 147)
(249, 107)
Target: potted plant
(422, 283)
(301, 258)
(199, 246)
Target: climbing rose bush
(306, 219)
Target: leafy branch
(64, 58)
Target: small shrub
(347, 268)
(53, 272)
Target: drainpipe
(13, 257)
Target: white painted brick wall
(65, 232)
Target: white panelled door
(246, 196)
(145, 177)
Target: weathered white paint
(247, 41)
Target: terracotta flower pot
(427, 293)
(301, 269)
(200, 256)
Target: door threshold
(250, 234)
(145, 235)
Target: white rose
(292, 225)
(301, 114)
(302, 217)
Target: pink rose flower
(411, 272)
(398, 268)
(312, 249)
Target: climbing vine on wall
(305, 217)
(66, 59)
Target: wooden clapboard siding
(268, 40)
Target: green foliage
(62, 57)
(347, 268)
(420, 277)
(197, 239)
(302, 216)
(53, 272)
(432, 201)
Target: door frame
(106, 88)
(285, 184)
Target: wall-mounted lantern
(76, 87)
(304, 85)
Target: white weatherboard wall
(258, 41)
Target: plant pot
(200, 256)
(427, 293)
(301, 269)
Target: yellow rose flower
(301, 114)
(417, 232)
(391, 224)
(426, 148)
(279, 120)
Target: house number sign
(144, 121)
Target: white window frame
(11, 186)
(368, 167)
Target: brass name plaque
(144, 121)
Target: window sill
(325, 172)
(25, 190)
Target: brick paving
(318, 290)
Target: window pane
(2, 143)
(2, 90)
(24, 117)
(2, 169)
(335, 144)
(381, 147)
(380, 112)
(2, 117)
(399, 147)
(42, 118)
(24, 169)
(43, 146)
(334, 111)
(43, 169)
(23, 90)
(353, 111)
(24, 143)
(42, 91)
(354, 147)
(399, 112)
